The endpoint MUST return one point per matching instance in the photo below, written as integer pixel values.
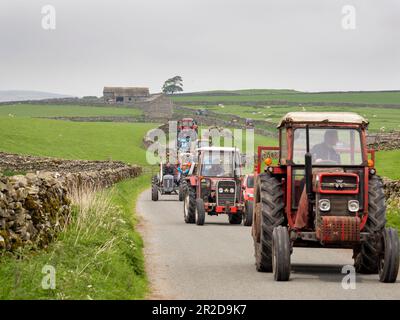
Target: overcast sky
(212, 44)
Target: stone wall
(384, 141)
(392, 190)
(36, 206)
(22, 163)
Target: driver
(168, 169)
(214, 170)
(325, 150)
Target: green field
(33, 110)
(73, 140)
(389, 97)
(389, 118)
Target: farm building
(124, 94)
(154, 106)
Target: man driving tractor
(325, 151)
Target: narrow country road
(215, 261)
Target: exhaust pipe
(308, 167)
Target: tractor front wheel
(200, 212)
(154, 193)
(248, 214)
(281, 254)
(389, 260)
(366, 256)
(189, 205)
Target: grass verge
(98, 256)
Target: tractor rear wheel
(389, 260)
(200, 212)
(366, 256)
(189, 205)
(268, 214)
(281, 254)
(182, 188)
(235, 218)
(248, 214)
(154, 193)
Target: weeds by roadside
(97, 256)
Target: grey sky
(212, 44)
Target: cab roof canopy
(318, 117)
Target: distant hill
(23, 95)
(237, 92)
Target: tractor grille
(168, 183)
(339, 183)
(226, 192)
(338, 229)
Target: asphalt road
(216, 261)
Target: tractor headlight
(353, 206)
(250, 195)
(324, 205)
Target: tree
(173, 85)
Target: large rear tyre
(268, 214)
(154, 193)
(200, 212)
(182, 188)
(281, 254)
(366, 256)
(235, 218)
(389, 260)
(248, 214)
(189, 205)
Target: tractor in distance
(249, 123)
(166, 182)
(187, 124)
(215, 186)
(323, 192)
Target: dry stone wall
(36, 206)
(392, 191)
(384, 141)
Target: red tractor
(323, 192)
(215, 186)
(187, 124)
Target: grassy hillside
(31, 110)
(378, 117)
(300, 97)
(72, 140)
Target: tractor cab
(323, 191)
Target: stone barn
(124, 94)
(157, 107)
